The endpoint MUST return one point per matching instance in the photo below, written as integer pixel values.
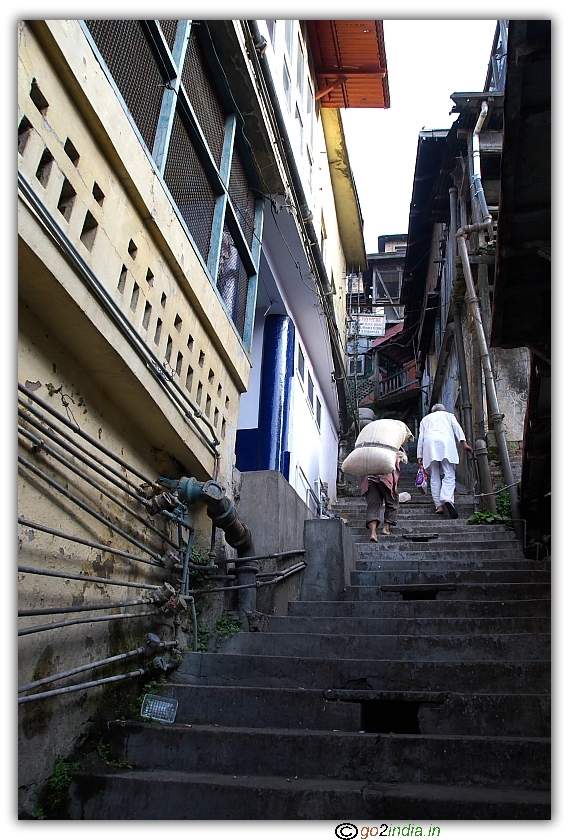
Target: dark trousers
(376, 496)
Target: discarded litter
(159, 708)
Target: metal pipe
(194, 621)
(459, 345)
(278, 555)
(101, 546)
(479, 412)
(74, 448)
(485, 475)
(41, 627)
(84, 608)
(56, 691)
(43, 447)
(90, 666)
(496, 416)
(68, 576)
(298, 567)
(78, 431)
(90, 510)
(487, 218)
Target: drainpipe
(496, 415)
(460, 347)
(487, 495)
(478, 186)
(321, 280)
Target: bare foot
(373, 538)
(386, 530)
(440, 510)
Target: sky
(427, 61)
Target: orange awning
(350, 63)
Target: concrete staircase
(422, 693)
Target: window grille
(232, 281)
(138, 70)
(169, 28)
(133, 67)
(204, 98)
(189, 187)
(242, 197)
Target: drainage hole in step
(384, 716)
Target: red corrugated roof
(387, 335)
(350, 63)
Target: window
(299, 123)
(309, 110)
(289, 37)
(271, 30)
(318, 412)
(300, 67)
(301, 364)
(310, 389)
(355, 284)
(356, 366)
(287, 84)
(177, 90)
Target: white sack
(377, 447)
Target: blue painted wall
(265, 448)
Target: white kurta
(436, 439)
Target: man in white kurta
(437, 454)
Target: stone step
(407, 626)
(514, 647)
(451, 591)
(441, 542)
(494, 576)
(287, 708)
(398, 675)
(409, 712)
(472, 608)
(422, 564)
(451, 713)
(382, 758)
(111, 795)
(432, 551)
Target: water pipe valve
(163, 595)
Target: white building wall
(313, 446)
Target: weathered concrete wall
(330, 555)
(140, 259)
(276, 517)
(49, 728)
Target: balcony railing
(403, 380)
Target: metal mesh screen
(232, 281)
(204, 98)
(132, 65)
(169, 31)
(189, 186)
(242, 197)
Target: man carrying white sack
(437, 454)
(381, 490)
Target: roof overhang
(349, 215)
(350, 63)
